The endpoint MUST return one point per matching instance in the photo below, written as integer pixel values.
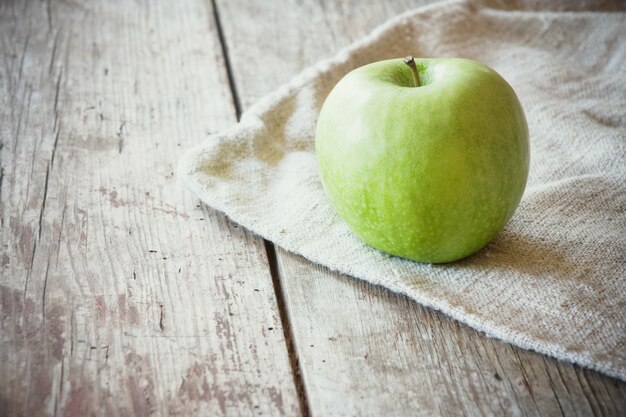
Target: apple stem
(411, 63)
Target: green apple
(425, 159)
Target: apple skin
(429, 173)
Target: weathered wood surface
(362, 350)
(120, 293)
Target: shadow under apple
(529, 255)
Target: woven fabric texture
(554, 280)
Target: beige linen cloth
(554, 280)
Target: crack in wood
(525, 379)
(72, 318)
(54, 52)
(1, 182)
(43, 296)
(43, 204)
(18, 130)
(162, 317)
(20, 72)
(56, 99)
(54, 146)
(49, 15)
(553, 387)
(503, 371)
(596, 402)
(29, 272)
(120, 137)
(61, 227)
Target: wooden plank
(120, 293)
(363, 350)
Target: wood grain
(361, 350)
(120, 293)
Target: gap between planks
(287, 330)
(270, 250)
(229, 71)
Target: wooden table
(121, 294)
